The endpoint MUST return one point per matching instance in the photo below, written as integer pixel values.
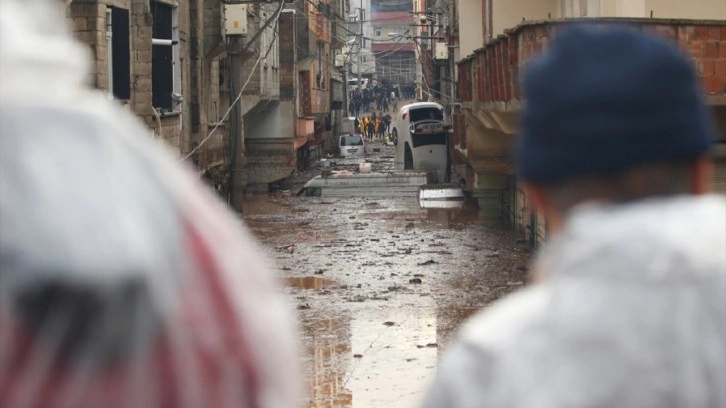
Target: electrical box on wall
(339, 59)
(442, 52)
(235, 19)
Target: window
(378, 32)
(165, 64)
(429, 139)
(321, 66)
(426, 114)
(354, 140)
(118, 53)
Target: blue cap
(602, 100)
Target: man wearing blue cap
(628, 307)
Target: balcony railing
(491, 74)
(321, 27)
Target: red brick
(713, 85)
(666, 31)
(691, 30)
(722, 49)
(714, 33)
(695, 48)
(706, 67)
(723, 33)
(682, 34)
(700, 33)
(711, 49)
(720, 67)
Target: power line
(252, 72)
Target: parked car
(351, 145)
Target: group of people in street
(374, 126)
(124, 282)
(380, 97)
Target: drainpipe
(490, 21)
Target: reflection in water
(309, 282)
(371, 252)
(328, 352)
(398, 361)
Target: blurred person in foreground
(123, 281)
(628, 307)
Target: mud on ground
(381, 286)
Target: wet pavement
(381, 285)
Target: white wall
(692, 9)
(361, 60)
(509, 13)
(678, 9)
(471, 34)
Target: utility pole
(238, 161)
(360, 46)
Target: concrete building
(360, 35)
(180, 83)
(507, 34)
(394, 45)
(142, 77)
(307, 59)
(483, 20)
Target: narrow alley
(381, 285)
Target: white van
(421, 137)
(351, 145)
(353, 84)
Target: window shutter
(121, 53)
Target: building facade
(311, 88)
(360, 33)
(167, 61)
(394, 45)
(485, 120)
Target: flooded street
(380, 286)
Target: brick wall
(465, 85)
(707, 46)
(495, 68)
(88, 22)
(288, 69)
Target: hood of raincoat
(124, 282)
(629, 311)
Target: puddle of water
(369, 251)
(327, 343)
(309, 282)
(396, 365)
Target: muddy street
(380, 286)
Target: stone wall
(88, 22)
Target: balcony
(490, 77)
(320, 24)
(485, 126)
(319, 101)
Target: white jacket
(631, 312)
(124, 282)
